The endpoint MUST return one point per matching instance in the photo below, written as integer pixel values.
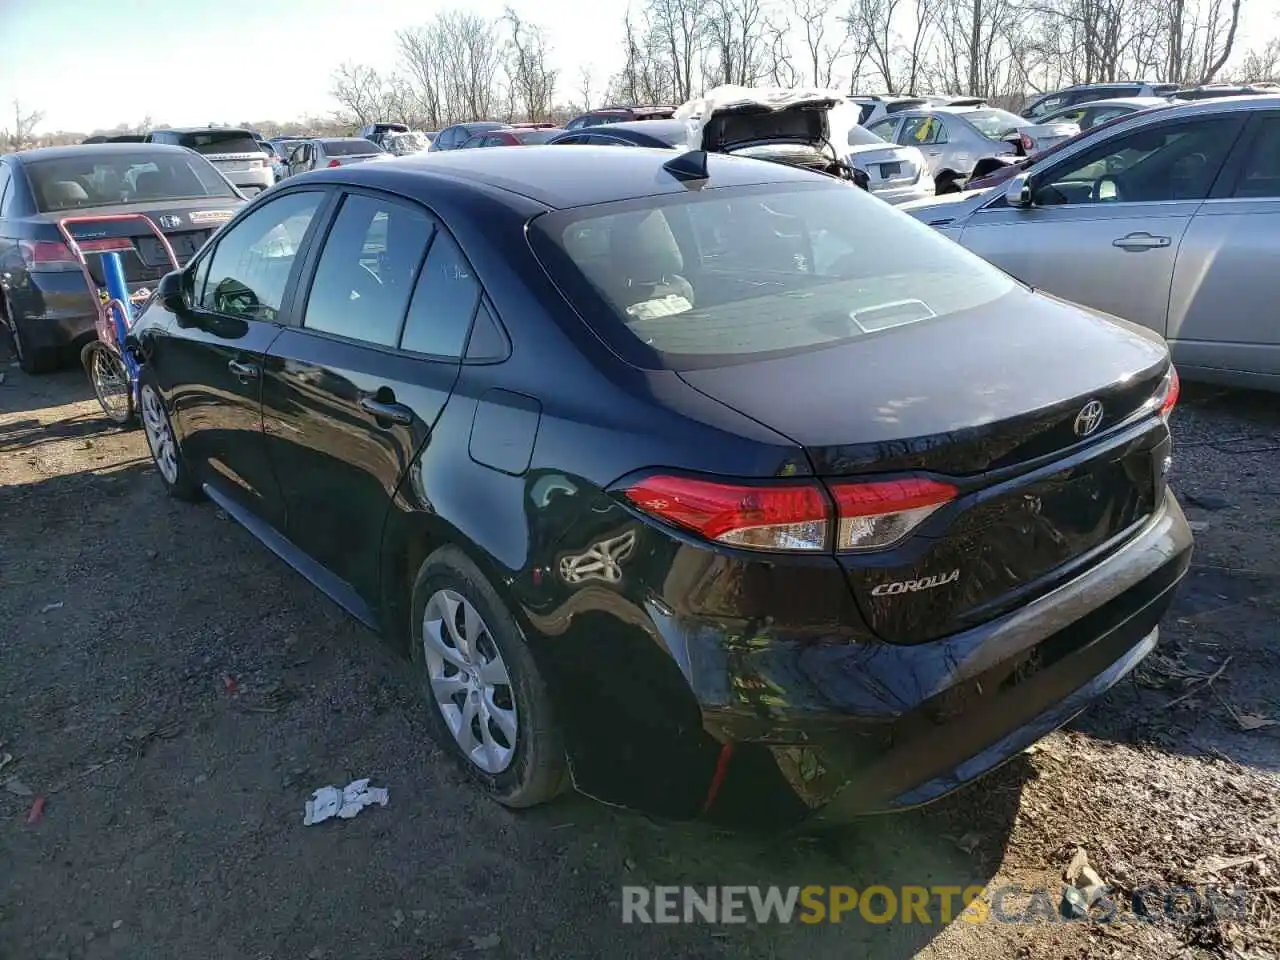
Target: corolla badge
(914, 586)
(1089, 418)
(169, 221)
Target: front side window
(249, 269)
(366, 272)
(1168, 162)
(726, 276)
(1260, 176)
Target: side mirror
(1018, 193)
(172, 295)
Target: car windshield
(993, 123)
(219, 141)
(405, 143)
(90, 180)
(349, 148)
(726, 276)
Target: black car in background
(742, 495)
(659, 134)
(452, 138)
(609, 115)
(44, 303)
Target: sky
(90, 64)
(96, 63)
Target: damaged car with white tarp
(769, 123)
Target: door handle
(392, 411)
(1140, 241)
(245, 371)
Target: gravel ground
(174, 693)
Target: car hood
(732, 117)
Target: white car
(233, 152)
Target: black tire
(95, 357)
(183, 484)
(538, 771)
(31, 360)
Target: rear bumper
(55, 310)
(251, 181)
(756, 719)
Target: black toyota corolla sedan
(709, 485)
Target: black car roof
(559, 176)
(80, 149)
(667, 131)
(185, 130)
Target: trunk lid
(186, 224)
(887, 164)
(987, 401)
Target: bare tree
(680, 27)
(1261, 64)
(923, 13)
(782, 70)
(534, 81)
(735, 39)
(870, 28)
(586, 78)
(24, 127)
(824, 43)
(360, 90)
(422, 61)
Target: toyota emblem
(1089, 418)
(169, 221)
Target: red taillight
(334, 163)
(793, 516)
(781, 516)
(45, 253)
(881, 513)
(1167, 393)
(1027, 143)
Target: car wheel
(31, 360)
(489, 707)
(166, 451)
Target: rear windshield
(94, 181)
(993, 123)
(219, 141)
(349, 148)
(727, 276)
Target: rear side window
(1260, 176)
(443, 302)
(366, 272)
(737, 274)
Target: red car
(519, 136)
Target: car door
(1222, 311)
(352, 392)
(929, 134)
(1105, 222)
(210, 366)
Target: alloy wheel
(469, 681)
(155, 422)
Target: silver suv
(234, 153)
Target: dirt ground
(174, 693)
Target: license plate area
(889, 170)
(184, 246)
(1005, 547)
